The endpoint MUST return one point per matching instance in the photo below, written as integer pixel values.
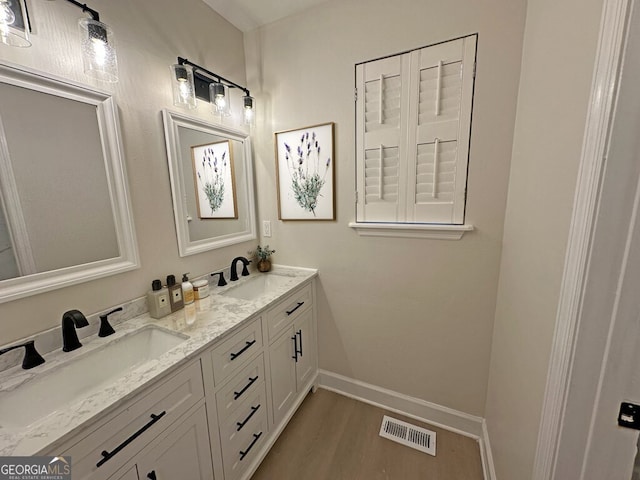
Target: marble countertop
(215, 317)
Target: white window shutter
(440, 102)
(413, 120)
(383, 90)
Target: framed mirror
(66, 215)
(211, 174)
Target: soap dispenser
(187, 290)
(158, 300)
(175, 293)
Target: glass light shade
(184, 90)
(249, 112)
(98, 50)
(9, 34)
(220, 99)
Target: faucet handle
(31, 356)
(221, 281)
(245, 270)
(105, 327)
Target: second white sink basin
(62, 387)
(257, 286)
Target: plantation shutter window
(413, 120)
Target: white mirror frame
(172, 121)
(109, 128)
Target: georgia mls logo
(58, 465)
(35, 468)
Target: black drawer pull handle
(289, 312)
(152, 475)
(237, 395)
(109, 455)
(246, 347)
(244, 422)
(299, 334)
(295, 348)
(256, 436)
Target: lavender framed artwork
(305, 173)
(214, 180)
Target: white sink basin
(86, 374)
(257, 286)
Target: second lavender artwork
(304, 166)
(214, 180)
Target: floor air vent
(409, 435)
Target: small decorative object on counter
(187, 289)
(158, 300)
(263, 254)
(175, 293)
(200, 289)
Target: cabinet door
(283, 375)
(183, 453)
(306, 343)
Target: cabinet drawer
(242, 386)
(281, 316)
(245, 417)
(125, 432)
(236, 351)
(239, 454)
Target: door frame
(572, 323)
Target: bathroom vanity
(209, 407)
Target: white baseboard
(434, 414)
(486, 455)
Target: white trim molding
(418, 409)
(586, 200)
(411, 230)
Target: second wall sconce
(14, 30)
(96, 38)
(190, 80)
(98, 47)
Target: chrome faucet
(234, 266)
(70, 321)
(31, 356)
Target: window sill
(405, 230)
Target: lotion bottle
(187, 290)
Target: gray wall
(411, 315)
(557, 69)
(150, 35)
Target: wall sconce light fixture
(98, 50)
(191, 80)
(184, 90)
(98, 47)
(14, 30)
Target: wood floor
(332, 437)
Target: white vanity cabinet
(256, 381)
(181, 452)
(215, 417)
(111, 443)
(235, 383)
(292, 349)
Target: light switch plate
(266, 228)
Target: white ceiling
(247, 15)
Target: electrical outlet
(266, 228)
